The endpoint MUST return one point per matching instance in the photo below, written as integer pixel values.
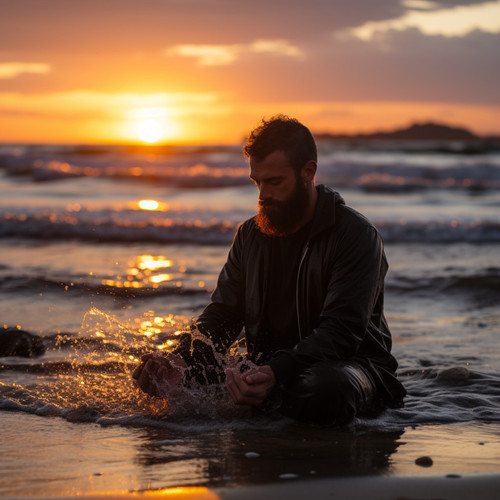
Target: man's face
(283, 196)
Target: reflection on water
(262, 452)
(149, 205)
(147, 271)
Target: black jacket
(339, 295)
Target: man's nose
(264, 193)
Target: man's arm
(222, 319)
(200, 352)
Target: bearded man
(304, 281)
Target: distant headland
(429, 132)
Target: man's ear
(309, 171)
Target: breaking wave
(109, 228)
(224, 166)
(53, 226)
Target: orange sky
(206, 71)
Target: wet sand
(484, 487)
(50, 457)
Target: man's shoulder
(349, 215)
(247, 231)
(248, 226)
(335, 212)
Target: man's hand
(159, 375)
(251, 387)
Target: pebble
(454, 374)
(424, 461)
(252, 454)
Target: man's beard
(279, 218)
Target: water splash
(87, 377)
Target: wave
(447, 395)
(452, 231)
(116, 288)
(487, 281)
(225, 166)
(53, 226)
(180, 172)
(402, 176)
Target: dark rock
(424, 462)
(15, 342)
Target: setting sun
(150, 124)
(150, 131)
(149, 205)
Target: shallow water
(102, 281)
(67, 458)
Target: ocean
(108, 252)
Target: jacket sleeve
(219, 324)
(357, 269)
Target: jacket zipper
(306, 248)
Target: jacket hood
(326, 208)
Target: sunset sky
(206, 71)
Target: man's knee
(329, 393)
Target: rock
(454, 374)
(424, 462)
(15, 342)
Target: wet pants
(330, 393)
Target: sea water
(110, 252)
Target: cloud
(454, 22)
(63, 27)
(14, 69)
(277, 47)
(207, 55)
(420, 4)
(221, 55)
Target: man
(305, 279)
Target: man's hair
(281, 133)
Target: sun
(150, 131)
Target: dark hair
(281, 133)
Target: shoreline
(450, 487)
